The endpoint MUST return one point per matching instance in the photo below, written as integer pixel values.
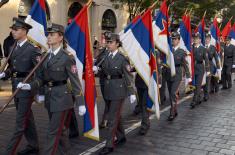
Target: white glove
(95, 69)
(188, 80)
(132, 98)
(24, 86)
(233, 66)
(208, 73)
(40, 98)
(2, 75)
(81, 110)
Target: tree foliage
(224, 9)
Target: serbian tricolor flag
(161, 35)
(215, 35)
(139, 45)
(186, 42)
(78, 37)
(226, 30)
(201, 30)
(37, 19)
(232, 35)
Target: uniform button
(14, 60)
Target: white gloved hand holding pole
(132, 99)
(81, 110)
(24, 86)
(95, 69)
(2, 75)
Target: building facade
(103, 15)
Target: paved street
(208, 129)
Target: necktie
(51, 55)
(17, 46)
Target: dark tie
(17, 46)
(110, 58)
(51, 55)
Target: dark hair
(64, 41)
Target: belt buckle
(109, 77)
(14, 74)
(50, 84)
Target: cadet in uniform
(57, 69)
(229, 63)
(174, 82)
(142, 92)
(117, 86)
(212, 84)
(24, 57)
(99, 61)
(201, 65)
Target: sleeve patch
(74, 69)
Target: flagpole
(204, 14)
(152, 6)
(186, 11)
(89, 3)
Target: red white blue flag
(161, 35)
(232, 35)
(78, 37)
(201, 30)
(215, 35)
(139, 46)
(186, 42)
(37, 19)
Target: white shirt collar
(22, 43)
(175, 48)
(228, 44)
(197, 46)
(56, 51)
(208, 45)
(114, 53)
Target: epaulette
(69, 53)
(124, 56)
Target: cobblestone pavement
(208, 129)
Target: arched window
(25, 7)
(109, 21)
(74, 9)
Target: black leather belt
(179, 65)
(109, 77)
(55, 83)
(19, 74)
(199, 62)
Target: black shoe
(74, 135)
(171, 118)
(106, 150)
(205, 99)
(224, 88)
(28, 151)
(120, 141)
(103, 124)
(176, 114)
(143, 132)
(192, 105)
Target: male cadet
(24, 57)
(99, 61)
(173, 83)
(212, 84)
(201, 65)
(229, 63)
